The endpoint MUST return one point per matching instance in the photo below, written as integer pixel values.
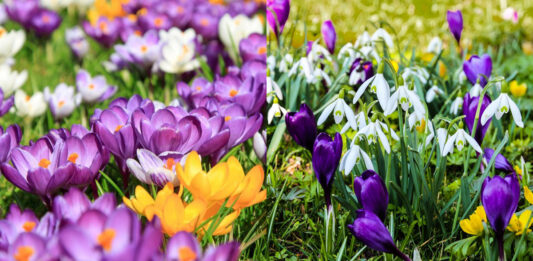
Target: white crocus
(379, 86)
(273, 90)
(501, 106)
(10, 43)
(178, 51)
(459, 139)
(62, 101)
(456, 106)
(275, 111)
(405, 98)
(339, 109)
(382, 35)
(353, 156)
(231, 30)
(476, 90)
(377, 130)
(29, 106)
(433, 92)
(10, 80)
(435, 45)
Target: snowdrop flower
(339, 109)
(501, 106)
(442, 136)
(273, 90)
(275, 111)
(456, 106)
(10, 43)
(29, 106)
(347, 51)
(318, 53)
(379, 86)
(285, 63)
(10, 81)
(363, 40)
(382, 35)
(416, 73)
(405, 98)
(62, 101)
(150, 169)
(417, 120)
(376, 130)
(312, 74)
(353, 156)
(460, 138)
(435, 45)
(360, 121)
(232, 30)
(476, 90)
(271, 63)
(433, 92)
(178, 51)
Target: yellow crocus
(528, 195)
(110, 9)
(249, 191)
(519, 224)
(518, 90)
(474, 224)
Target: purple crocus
(44, 22)
(95, 89)
(301, 125)
(104, 31)
(500, 163)
(360, 71)
(154, 20)
(329, 35)
(253, 48)
(9, 139)
(150, 169)
(372, 193)
(193, 94)
(77, 41)
(141, 51)
(500, 197)
(206, 25)
(470, 104)
(455, 23)
(27, 246)
(249, 93)
(184, 246)
(6, 104)
(277, 14)
(326, 157)
(21, 11)
(70, 206)
(478, 69)
(369, 229)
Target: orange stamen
(227, 118)
(233, 92)
(105, 239)
(186, 254)
(262, 50)
(28, 226)
(170, 163)
(118, 128)
(24, 253)
(43, 163)
(60, 104)
(73, 157)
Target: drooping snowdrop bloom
(363, 40)
(29, 106)
(178, 51)
(456, 106)
(62, 101)
(406, 98)
(382, 35)
(93, 89)
(10, 80)
(260, 145)
(286, 63)
(313, 74)
(435, 45)
(353, 156)
(339, 109)
(377, 130)
(231, 30)
(273, 90)
(500, 106)
(10, 43)
(416, 73)
(442, 136)
(460, 139)
(275, 111)
(379, 86)
(360, 120)
(476, 90)
(77, 41)
(433, 92)
(150, 169)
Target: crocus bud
(277, 14)
(470, 104)
(455, 23)
(329, 35)
(372, 193)
(302, 126)
(478, 68)
(326, 157)
(369, 229)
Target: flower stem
(501, 252)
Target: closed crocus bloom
(9, 139)
(277, 14)
(372, 193)
(301, 125)
(500, 197)
(470, 104)
(29, 106)
(253, 48)
(77, 41)
(326, 157)
(369, 229)
(510, 14)
(455, 23)
(44, 22)
(500, 162)
(329, 35)
(231, 30)
(95, 89)
(474, 224)
(150, 169)
(10, 43)
(10, 80)
(178, 51)
(478, 69)
(518, 90)
(62, 101)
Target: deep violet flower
(104, 31)
(301, 125)
(326, 157)
(9, 139)
(372, 193)
(277, 14)
(470, 104)
(478, 69)
(455, 24)
(329, 35)
(44, 22)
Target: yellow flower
(518, 90)
(474, 224)
(442, 69)
(395, 65)
(108, 8)
(249, 191)
(427, 57)
(528, 195)
(518, 224)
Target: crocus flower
(21, 11)
(5, 105)
(15, 223)
(11, 80)
(253, 47)
(250, 93)
(474, 224)
(500, 106)
(510, 14)
(150, 169)
(360, 71)
(301, 126)
(178, 53)
(9, 139)
(329, 35)
(478, 69)
(372, 193)
(70, 206)
(369, 229)
(205, 24)
(62, 101)
(44, 22)
(277, 14)
(228, 251)
(260, 145)
(231, 30)
(184, 246)
(95, 89)
(470, 104)
(26, 246)
(104, 31)
(379, 86)
(326, 156)
(29, 106)
(501, 163)
(10, 43)
(152, 20)
(500, 197)
(77, 42)
(455, 23)
(141, 51)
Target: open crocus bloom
(62, 101)
(141, 51)
(93, 89)
(9, 139)
(184, 246)
(150, 169)
(10, 43)
(70, 206)
(10, 80)
(29, 106)
(104, 30)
